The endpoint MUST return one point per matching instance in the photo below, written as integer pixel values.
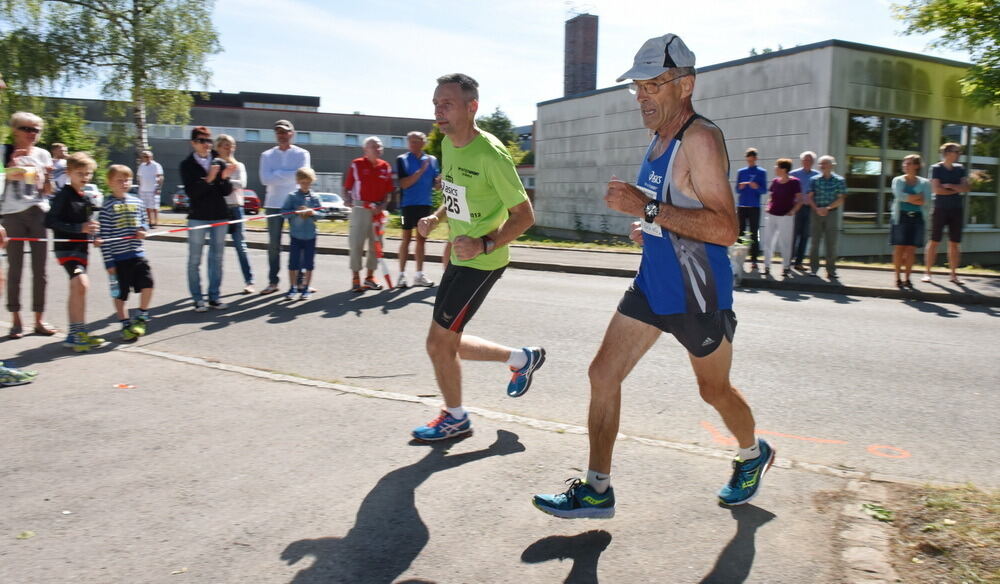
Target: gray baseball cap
(284, 125)
(658, 55)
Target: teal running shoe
(580, 501)
(520, 379)
(10, 376)
(443, 427)
(745, 482)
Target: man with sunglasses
(277, 173)
(684, 285)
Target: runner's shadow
(734, 563)
(388, 533)
(583, 549)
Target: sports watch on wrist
(651, 210)
(488, 243)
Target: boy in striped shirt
(124, 215)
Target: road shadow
(583, 549)
(931, 308)
(734, 563)
(355, 303)
(388, 533)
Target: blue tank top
(679, 275)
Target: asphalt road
(879, 386)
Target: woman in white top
(911, 194)
(225, 145)
(25, 200)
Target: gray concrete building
(867, 106)
(333, 139)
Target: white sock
(518, 358)
(750, 453)
(458, 413)
(597, 481)
(418, 274)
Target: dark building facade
(332, 139)
(580, 56)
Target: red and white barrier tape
(163, 232)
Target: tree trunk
(138, 81)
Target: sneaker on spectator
(422, 281)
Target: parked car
(94, 194)
(251, 202)
(333, 207)
(180, 200)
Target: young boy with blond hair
(70, 218)
(124, 216)
(302, 229)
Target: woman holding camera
(206, 182)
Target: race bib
(650, 228)
(455, 202)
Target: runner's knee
(713, 392)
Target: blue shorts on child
(302, 254)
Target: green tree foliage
(970, 25)
(433, 145)
(65, 123)
(499, 125)
(142, 52)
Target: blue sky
(381, 57)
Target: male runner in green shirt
(487, 208)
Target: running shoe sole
(588, 513)
(767, 467)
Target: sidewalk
(872, 282)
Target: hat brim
(642, 72)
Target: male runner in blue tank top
(684, 285)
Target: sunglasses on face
(202, 140)
(29, 129)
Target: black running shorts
(412, 214)
(133, 274)
(700, 333)
(460, 293)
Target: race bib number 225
(455, 202)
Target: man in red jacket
(367, 185)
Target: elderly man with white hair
(800, 237)
(367, 184)
(828, 193)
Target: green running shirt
(479, 184)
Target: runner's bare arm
(522, 216)
(703, 155)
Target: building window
(351, 140)
(876, 146)
(303, 137)
(397, 142)
(252, 135)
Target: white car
(333, 207)
(94, 194)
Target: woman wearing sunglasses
(25, 200)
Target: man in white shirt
(150, 177)
(277, 173)
(59, 176)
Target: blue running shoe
(520, 379)
(579, 502)
(747, 474)
(443, 427)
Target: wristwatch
(488, 244)
(651, 210)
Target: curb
(800, 286)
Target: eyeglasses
(202, 140)
(946, 151)
(651, 87)
(29, 129)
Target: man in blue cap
(684, 285)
